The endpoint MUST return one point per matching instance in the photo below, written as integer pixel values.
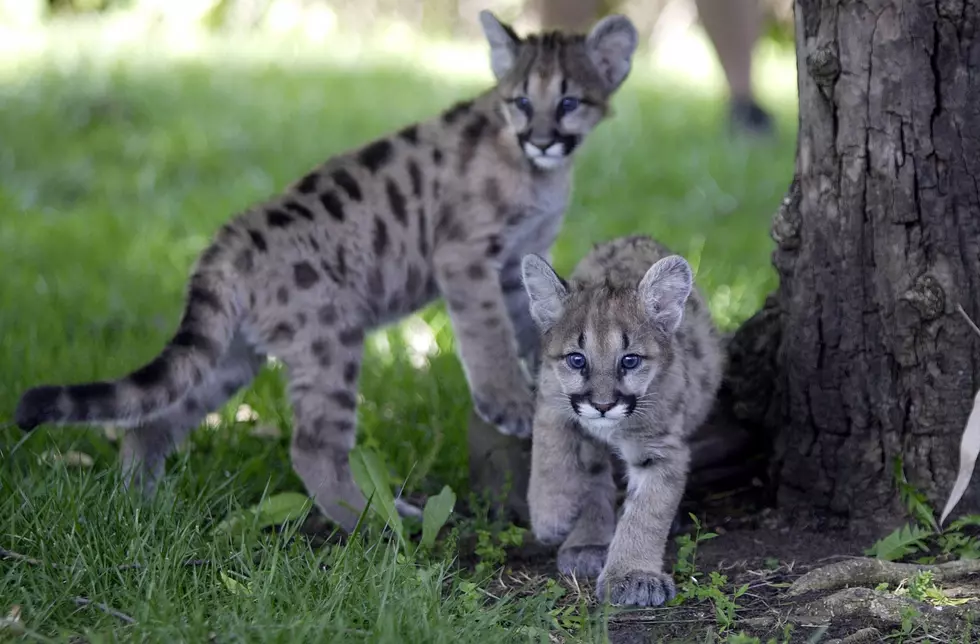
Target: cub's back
(622, 262)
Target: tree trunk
(575, 15)
(878, 241)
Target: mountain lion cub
(631, 363)
(448, 207)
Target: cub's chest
(533, 222)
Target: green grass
(116, 166)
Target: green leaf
(273, 510)
(963, 522)
(371, 476)
(435, 514)
(236, 587)
(900, 543)
(914, 500)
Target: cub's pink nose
(603, 408)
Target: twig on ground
(16, 556)
(129, 566)
(650, 620)
(838, 558)
(108, 610)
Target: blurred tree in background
(454, 18)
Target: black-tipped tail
(59, 404)
(36, 406)
(206, 330)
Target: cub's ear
(610, 46)
(664, 290)
(545, 289)
(503, 43)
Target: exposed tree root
(866, 606)
(871, 572)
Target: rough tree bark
(860, 355)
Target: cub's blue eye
(568, 104)
(523, 103)
(575, 361)
(630, 361)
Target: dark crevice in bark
(936, 76)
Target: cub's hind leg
(145, 447)
(323, 391)
(323, 375)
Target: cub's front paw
(510, 409)
(636, 588)
(582, 561)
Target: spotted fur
(443, 207)
(631, 364)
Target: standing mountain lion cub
(448, 207)
(631, 363)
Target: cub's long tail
(211, 316)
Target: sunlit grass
(121, 153)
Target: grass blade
(371, 476)
(274, 510)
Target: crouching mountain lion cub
(448, 207)
(631, 362)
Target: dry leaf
(236, 587)
(70, 458)
(969, 449)
(12, 623)
(113, 433)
